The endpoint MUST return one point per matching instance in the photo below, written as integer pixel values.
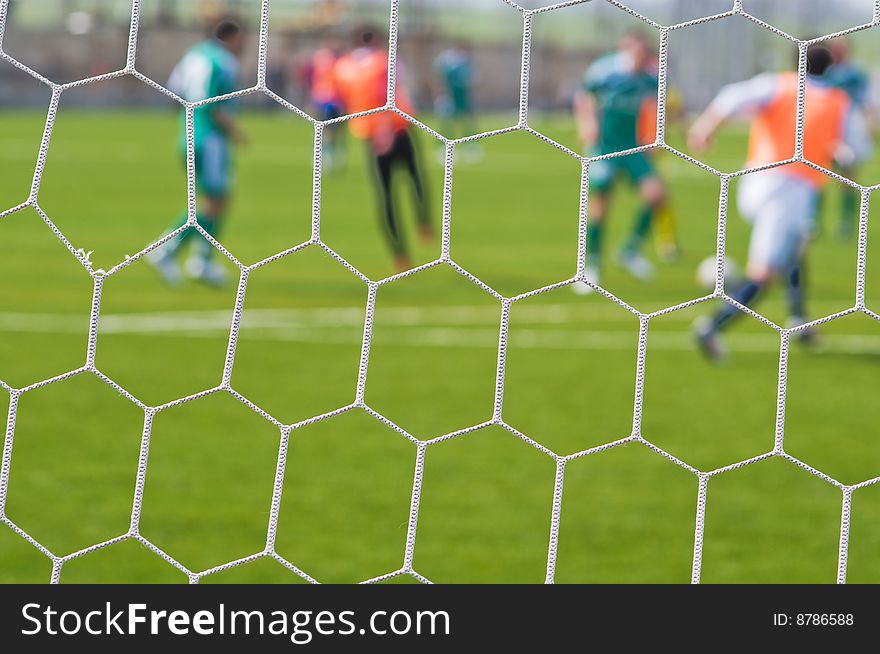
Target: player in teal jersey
(207, 70)
(619, 91)
(456, 75)
(850, 78)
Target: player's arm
(175, 82)
(585, 107)
(855, 143)
(739, 100)
(586, 119)
(865, 102)
(224, 112)
(228, 124)
(704, 127)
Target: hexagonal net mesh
(702, 477)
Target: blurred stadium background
(112, 182)
(49, 36)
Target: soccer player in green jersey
(619, 92)
(209, 69)
(854, 81)
(456, 75)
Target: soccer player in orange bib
(779, 202)
(362, 80)
(324, 97)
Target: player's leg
(466, 116)
(666, 234)
(213, 180)
(200, 265)
(762, 250)
(408, 157)
(795, 287)
(384, 172)
(782, 223)
(443, 106)
(328, 140)
(164, 257)
(602, 174)
(332, 150)
(771, 248)
(795, 283)
(796, 279)
(340, 139)
(652, 192)
(850, 199)
(757, 199)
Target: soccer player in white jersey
(780, 202)
(209, 69)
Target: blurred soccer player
(664, 224)
(780, 202)
(207, 70)
(619, 92)
(326, 102)
(847, 76)
(456, 74)
(362, 79)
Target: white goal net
(703, 479)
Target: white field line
(21, 150)
(455, 326)
(213, 320)
(133, 153)
(185, 321)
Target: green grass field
(112, 183)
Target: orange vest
(362, 81)
(646, 127)
(772, 135)
(323, 87)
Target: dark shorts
(402, 151)
(636, 167)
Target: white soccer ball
(709, 266)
